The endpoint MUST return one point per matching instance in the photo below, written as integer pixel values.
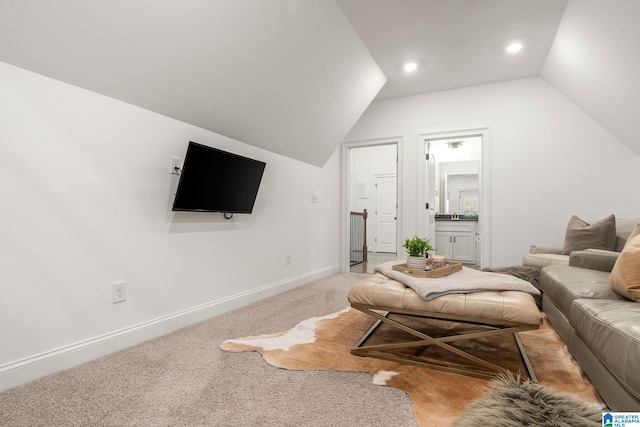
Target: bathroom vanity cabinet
(456, 240)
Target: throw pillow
(625, 276)
(581, 235)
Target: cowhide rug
(438, 397)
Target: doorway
(456, 163)
(372, 170)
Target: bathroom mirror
(457, 185)
(461, 193)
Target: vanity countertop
(448, 217)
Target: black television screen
(213, 180)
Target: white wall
(594, 61)
(86, 201)
(550, 160)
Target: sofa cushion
(594, 259)
(610, 330)
(542, 260)
(563, 284)
(625, 276)
(581, 235)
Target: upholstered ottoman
(484, 314)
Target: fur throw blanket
(528, 273)
(512, 403)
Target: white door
(385, 213)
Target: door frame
(484, 178)
(346, 173)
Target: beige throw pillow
(625, 276)
(581, 235)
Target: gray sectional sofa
(600, 327)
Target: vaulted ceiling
(294, 76)
(454, 43)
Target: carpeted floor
(185, 379)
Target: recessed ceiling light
(514, 47)
(410, 66)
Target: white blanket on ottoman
(464, 281)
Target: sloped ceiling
(293, 76)
(456, 43)
(595, 62)
(288, 76)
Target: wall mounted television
(213, 180)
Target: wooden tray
(451, 267)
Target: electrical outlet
(175, 163)
(314, 198)
(287, 258)
(119, 291)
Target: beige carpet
(185, 379)
(438, 397)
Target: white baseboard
(37, 366)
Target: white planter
(416, 262)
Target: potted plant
(418, 250)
